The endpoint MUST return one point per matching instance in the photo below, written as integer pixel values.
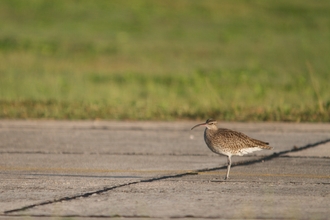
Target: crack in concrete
(99, 191)
(101, 153)
(194, 172)
(115, 216)
(323, 157)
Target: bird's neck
(210, 131)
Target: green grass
(165, 60)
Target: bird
(229, 142)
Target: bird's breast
(213, 145)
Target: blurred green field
(165, 60)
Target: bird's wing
(238, 141)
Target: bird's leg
(228, 167)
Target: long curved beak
(198, 125)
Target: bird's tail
(262, 144)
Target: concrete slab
(261, 190)
(142, 137)
(283, 169)
(86, 169)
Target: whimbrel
(228, 142)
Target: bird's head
(209, 124)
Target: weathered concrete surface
(56, 169)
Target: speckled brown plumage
(225, 141)
(228, 142)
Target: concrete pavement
(100, 169)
